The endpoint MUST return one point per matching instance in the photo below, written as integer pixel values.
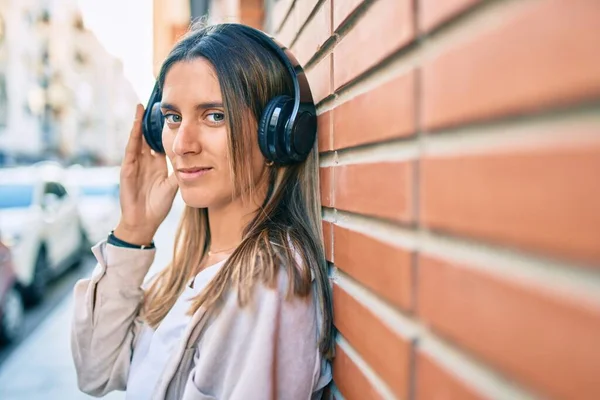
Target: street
(57, 293)
(39, 365)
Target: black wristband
(115, 241)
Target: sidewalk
(42, 367)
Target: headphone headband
(302, 93)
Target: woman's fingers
(159, 162)
(172, 181)
(134, 145)
(146, 150)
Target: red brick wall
(460, 154)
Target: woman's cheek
(167, 141)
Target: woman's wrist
(115, 241)
(135, 236)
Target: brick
(324, 132)
(342, 9)
(545, 340)
(383, 189)
(382, 267)
(328, 240)
(350, 380)
(546, 56)
(384, 113)
(386, 352)
(319, 78)
(435, 382)
(394, 17)
(279, 11)
(252, 15)
(314, 34)
(305, 7)
(435, 12)
(325, 178)
(541, 199)
(251, 12)
(290, 28)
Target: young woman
(244, 309)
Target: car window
(55, 188)
(15, 195)
(61, 190)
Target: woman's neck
(228, 221)
(227, 224)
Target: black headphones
(288, 126)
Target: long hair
(286, 231)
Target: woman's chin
(195, 200)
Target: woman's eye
(173, 118)
(216, 117)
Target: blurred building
(65, 97)
(22, 68)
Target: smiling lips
(189, 174)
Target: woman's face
(195, 135)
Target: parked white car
(96, 190)
(40, 223)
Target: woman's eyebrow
(210, 104)
(168, 106)
(201, 106)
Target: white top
(155, 347)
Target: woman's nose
(187, 140)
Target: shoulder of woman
(261, 292)
(288, 289)
(266, 304)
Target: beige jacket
(266, 350)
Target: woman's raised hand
(147, 190)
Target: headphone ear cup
(153, 121)
(271, 128)
(262, 130)
(152, 127)
(303, 135)
(157, 122)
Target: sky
(124, 27)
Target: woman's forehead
(191, 80)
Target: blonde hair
(286, 232)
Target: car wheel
(11, 323)
(35, 291)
